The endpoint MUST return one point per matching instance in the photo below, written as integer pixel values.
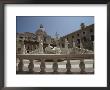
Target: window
(77, 34)
(92, 37)
(20, 40)
(21, 37)
(72, 36)
(91, 30)
(19, 49)
(83, 32)
(78, 41)
(84, 39)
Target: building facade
(84, 35)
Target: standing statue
(81, 45)
(36, 50)
(66, 46)
(74, 44)
(41, 47)
(24, 50)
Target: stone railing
(54, 57)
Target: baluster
(31, 66)
(42, 66)
(20, 65)
(55, 66)
(68, 66)
(82, 66)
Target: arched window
(78, 41)
(83, 32)
(84, 38)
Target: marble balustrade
(54, 58)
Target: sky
(63, 25)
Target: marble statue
(74, 44)
(41, 47)
(24, 49)
(81, 45)
(66, 43)
(66, 46)
(51, 50)
(57, 50)
(48, 49)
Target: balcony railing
(54, 59)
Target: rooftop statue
(41, 26)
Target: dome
(41, 31)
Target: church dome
(41, 31)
